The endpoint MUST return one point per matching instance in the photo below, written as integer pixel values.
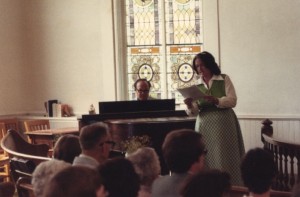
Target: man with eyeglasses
(96, 143)
(142, 89)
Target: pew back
(239, 191)
(24, 157)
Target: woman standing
(216, 120)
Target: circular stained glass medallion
(146, 72)
(143, 3)
(185, 72)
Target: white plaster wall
(73, 55)
(210, 27)
(260, 46)
(64, 49)
(68, 50)
(11, 58)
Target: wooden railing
(286, 156)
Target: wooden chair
(24, 187)
(5, 125)
(2, 134)
(4, 160)
(10, 123)
(33, 125)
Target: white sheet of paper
(191, 92)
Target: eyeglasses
(143, 91)
(112, 143)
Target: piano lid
(129, 115)
(135, 109)
(136, 106)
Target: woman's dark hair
(67, 148)
(209, 62)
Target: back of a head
(182, 148)
(67, 148)
(75, 181)
(119, 178)
(211, 183)
(44, 172)
(90, 135)
(146, 164)
(258, 170)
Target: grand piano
(153, 118)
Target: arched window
(162, 37)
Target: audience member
(258, 171)
(146, 164)
(67, 148)
(142, 89)
(44, 172)
(211, 183)
(75, 181)
(95, 142)
(183, 151)
(119, 178)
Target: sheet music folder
(136, 106)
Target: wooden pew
(24, 187)
(239, 191)
(286, 155)
(24, 157)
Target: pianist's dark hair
(137, 81)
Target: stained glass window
(162, 39)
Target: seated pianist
(142, 89)
(145, 116)
(143, 107)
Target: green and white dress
(220, 127)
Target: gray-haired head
(44, 172)
(146, 164)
